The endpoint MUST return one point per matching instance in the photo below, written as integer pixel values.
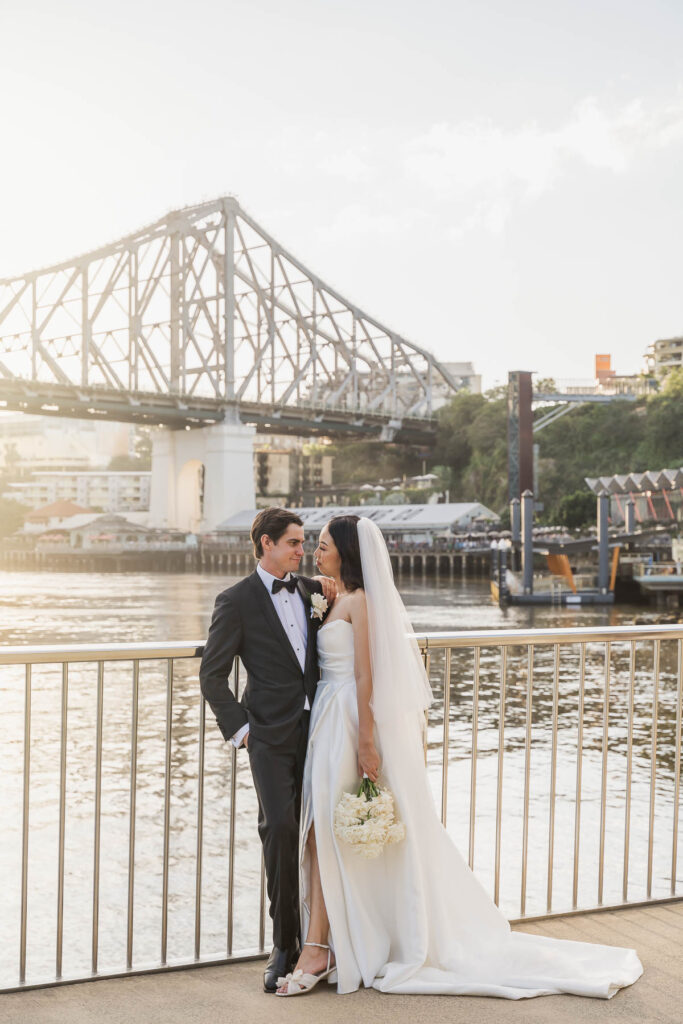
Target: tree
(662, 445)
(453, 446)
(472, 443)
(576, 509)
(363, 462)
(589, 441)
(11, 516)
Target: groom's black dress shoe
(280, 962)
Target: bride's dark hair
(344, 533)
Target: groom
(269, 620)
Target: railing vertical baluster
(167, 808)
(475, 744)
(62, 820)
(131, 812)
(677, 768)
(603, 782)
(653, 764)
(231, 846)
(427, 659)
(200, 832)
(579, 769)
(527, 773)
(446, 732)
(499, 786)
(262, 907)
(98, 813)
(24, 828)
(553, 779)
(629, 766)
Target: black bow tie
(289, 584)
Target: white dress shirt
(291, 612)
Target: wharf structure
(100, 543)
(437, 540)
(444, 540)
(620, 559)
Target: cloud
(360, 219)
(323, 153)
(495, 169)
(348, 165)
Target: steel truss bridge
(200, 318)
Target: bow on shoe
(295, 976)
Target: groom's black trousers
(278, 775)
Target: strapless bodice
(335, 652)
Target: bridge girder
(199, 315)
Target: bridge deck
(233, 992)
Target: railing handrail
(523, 637)
(56, 653)
(43, 654)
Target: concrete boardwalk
(232, 993)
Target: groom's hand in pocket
(245, 741)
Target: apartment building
(106, 491)
(285, 474)
(665, 355)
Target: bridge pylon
(200, 477)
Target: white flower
(318, 606)
(366, 820)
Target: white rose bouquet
(366, 820)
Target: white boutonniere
(318, 606)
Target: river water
(40, 608)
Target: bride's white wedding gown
(416, 920)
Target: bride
(414, 920)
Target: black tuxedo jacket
(246, 624)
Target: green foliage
(577, 509)
(599, 440)
(472, 443)
(470, 454)
(590, 440)
(662, 445)
(453, 446)
(365, 462)
(11, 516)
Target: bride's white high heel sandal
(299, 982)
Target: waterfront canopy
(451, 517)
(656, 494)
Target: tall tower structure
(520, 434)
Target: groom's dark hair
(273, 522)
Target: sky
(497, 181)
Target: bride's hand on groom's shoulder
(329, 587)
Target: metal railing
(445, 645)
(509, 687)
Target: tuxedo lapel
(310, 631)
(265, 603)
